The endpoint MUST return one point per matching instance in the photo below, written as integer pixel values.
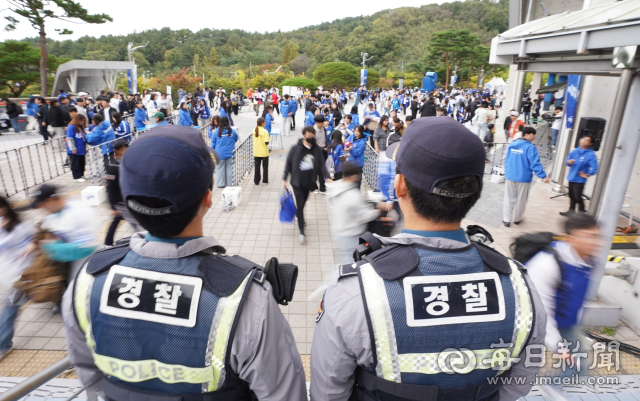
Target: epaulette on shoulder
(350, 269)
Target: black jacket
(473, 106)
(56, 117)
(113, 182)
(13, 109)
(428, 109)
(43, 114)
(306, 166)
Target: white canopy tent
(496, 83)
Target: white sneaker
(303, 239)
(79, 180)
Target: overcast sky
(248, 15)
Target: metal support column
(624, 142)
(611, 140)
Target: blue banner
(454, 78)
(129, 80)
(363, 77)
(572, 93)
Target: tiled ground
(253, 231)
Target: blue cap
(169, 162)
(435, 149)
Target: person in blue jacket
(293, 108)
(223, 141)
(185, 115)
(355, 119)
(521, 162)
(103, 135)
(356, 151)
(140, 119)
(76, 149)
(309, 116)
(224, 112)
(122, 127)
(583, 163)
(204, 114)
(267, 114)
(31, 110)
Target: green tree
(37, 11)
(452, 45)
(299, 82)
(21, 66)
(174, 58)
(300, 64)
(212, 58)
(290, 52)
(342, 75)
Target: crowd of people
(424, 178)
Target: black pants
(77, 165)
(112, 230)
(575, 194)
(301, 196)
(265, 170)
(293, 121)
(276, 108)
(44, 132)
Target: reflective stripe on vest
(390, 364)
(212, 376)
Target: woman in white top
(15, 239)
(152, 106)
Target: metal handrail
(370, 168)
(242, 161)
(20, 390)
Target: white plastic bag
(497, 175)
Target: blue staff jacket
(585, 161)
(225, 144)
(185, 118)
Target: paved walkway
(253, 231)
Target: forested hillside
(394, 38)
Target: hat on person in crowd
(157, 165)
(159, 115)
(514, 113)
(319, 118)
(438, 149)
(46, 191)
(121, 143)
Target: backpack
(527, 246)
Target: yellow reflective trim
(384, 332)
(137, 371)
(524, 319)
(222, 335)
(84, 283)
(461, 361)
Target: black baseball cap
(169, 162)
(46, 191)
(435, 149)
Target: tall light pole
(133, 81)
(365, 59)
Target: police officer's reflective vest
(441, 321)
(155, 333)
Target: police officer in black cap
(428, 314)
(168, 316)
